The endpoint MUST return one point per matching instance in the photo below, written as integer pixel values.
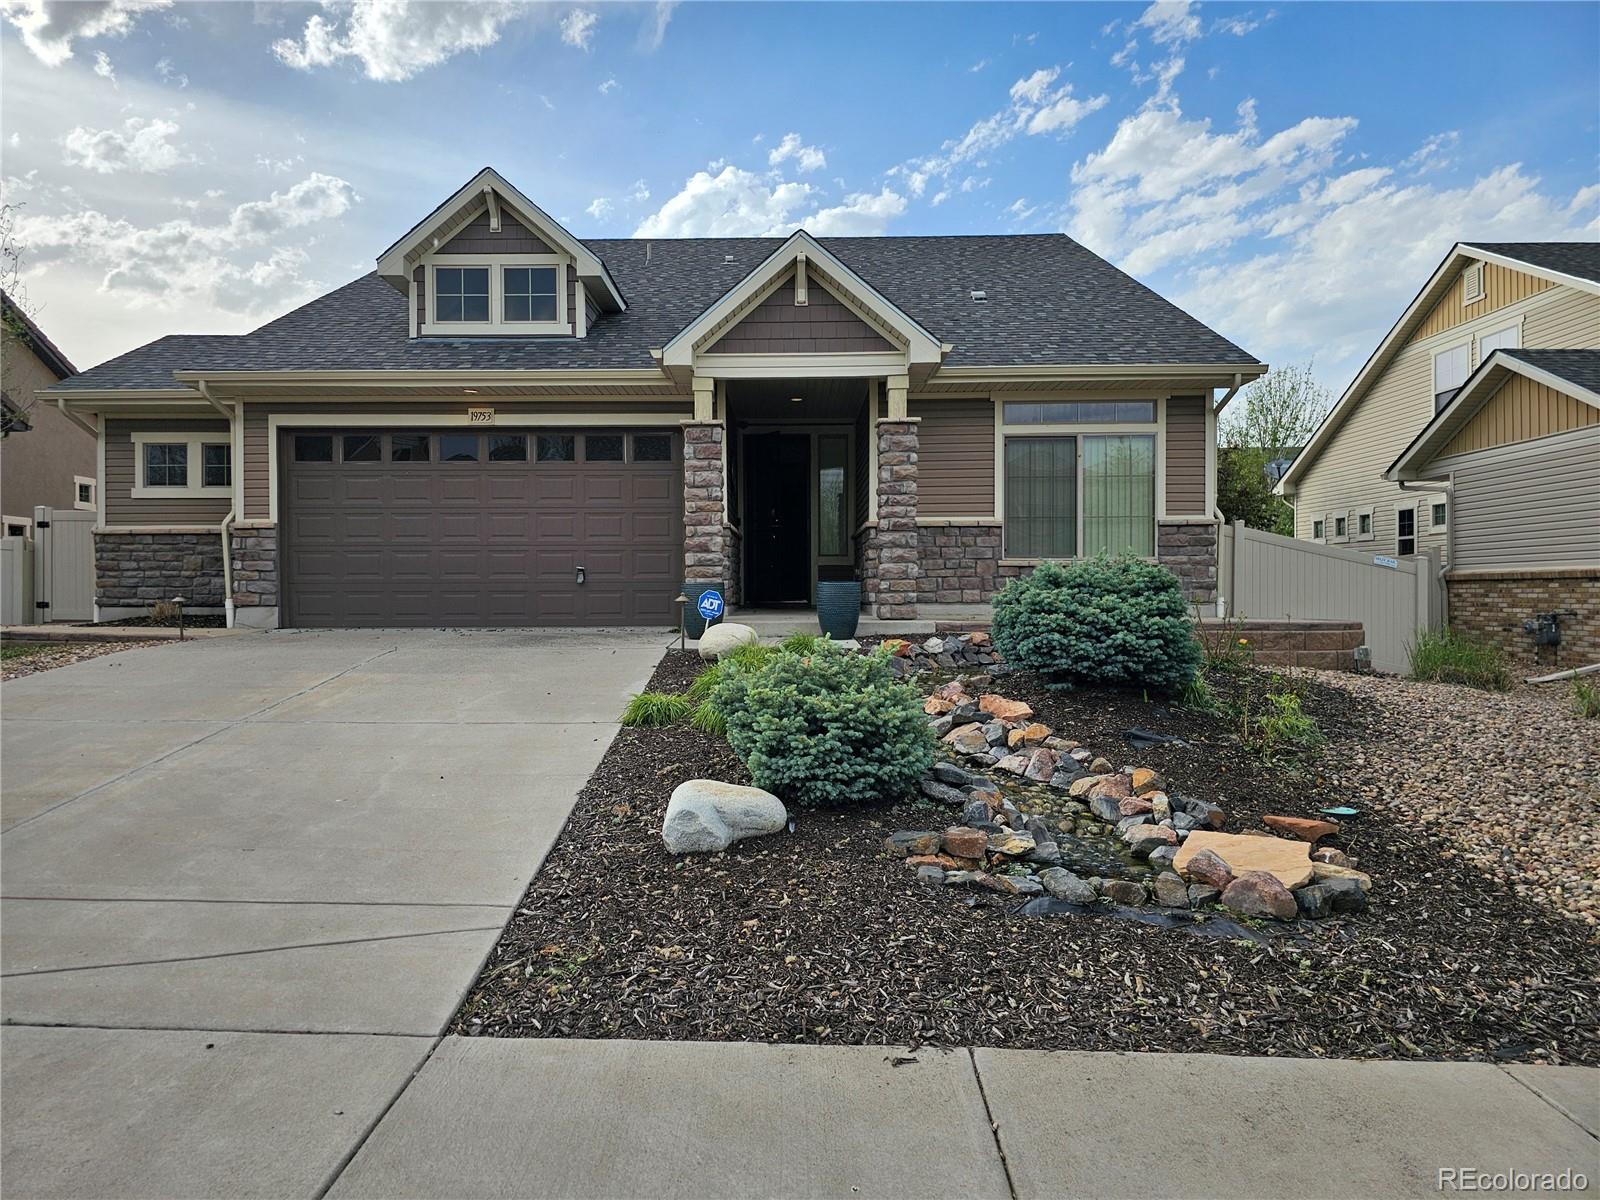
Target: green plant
(1197, 694)
(708, 718)
(1586, 698)
(806, 643)
(827, 728)
(1449, 656)
(656, 708)
(1223, 647)
(1285, 723)
(1119, 622)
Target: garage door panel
(462, 543)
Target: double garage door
(462, 527)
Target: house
(1518, 447)
(506, 425)
(47, 459)
(1484, 296)
(1519, 298)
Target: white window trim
(25, 522)
(1416, 527)
(193, 489)
(92, 505)
(1440, 353)
(1372, 524)
(1479, 334)
(1333, 526)
(495, 264)
(1428, 505)
(1322, 537)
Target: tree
(12, 322)
(1269, 422)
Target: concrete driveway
(211, 846)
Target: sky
(1288, 173)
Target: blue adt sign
(710, 604)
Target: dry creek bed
(1467, 951)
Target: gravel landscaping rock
(29, 658)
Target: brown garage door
(466, 528)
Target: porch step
(774, 623)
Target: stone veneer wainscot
(135, 569)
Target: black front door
(777, 535)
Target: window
(1106, 412)
(1450, 370)
(458, 447)
(83, 490)
(1406, 530)
(1317, 528)
(216, 465)
(19, 526)
(1119, 495)
(833, 510)
(508, 447)
(1438, 514)
(363, 447)
(461, 294)
(315, 447)
(652, 447)
(1472, 284)
(1508, 338)
(1341, 528)
(1364, 525)
(530, 293)
(166, 464)
(408, 447)
(603, 448)
(1041, 497)
(556, 447)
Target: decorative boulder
(1259, 894)
(718, 639)
(1064, 885)
(705, 815)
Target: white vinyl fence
(16, 581)
(1266, 577)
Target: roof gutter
(93, 431)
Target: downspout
(1219, 521)
(225, 530)
(61, 403)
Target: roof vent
(979, 296)
(727, 258)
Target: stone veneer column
(896, 537)
(705, 540)
(1189, 551)
(255, 575)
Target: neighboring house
(1484, 296)
(505, 425)
(1519, 448)
(46, 458)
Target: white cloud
(864, 214)
(181, 262)
(654, 31)
(639, 193)
(577, 28)
(49, 27)
(609, 86)
(396, 39)
(940, 197)
(1038, 105)
(1238, 26)
(103, 67)
(1435, 153)
(728, 203)
(1170, 22)
(979, 65)
(167, 73)
(807, 158)
(140, 146)
(599, 208)
(1020, 209)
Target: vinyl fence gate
(1267, 577)
(63, 564)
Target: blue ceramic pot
(839, 607)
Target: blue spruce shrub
(828, 728)
(1107, 622)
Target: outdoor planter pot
(839, 607)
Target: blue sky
(1289, 173)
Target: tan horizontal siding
(1529, 505)
(121, 508)
(955, 458)
(257, 472)
(1501, 286)
(1520, 411)
(1186, 456)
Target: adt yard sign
(710, 604)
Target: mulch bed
(190, 621)
(818, 936)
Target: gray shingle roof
(1581, 259)
(1050, 302)
(1581, 367)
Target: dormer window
(530, 293)
(461, 294)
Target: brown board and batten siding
(778, 325)
(955, 457)
(510, 416)
(1186, 457)
(122, 466)
(1521, 410)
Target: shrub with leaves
(1107, 622)
(656, 708)
(1448, 656)
(827, 728)
(1586, 698)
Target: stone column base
(896, 536)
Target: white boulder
(705, 815)
(718, 639)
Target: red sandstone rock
(966, 842)
(1135, 806)
(1005, 710)
(1207, 868)
(1305, 828)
